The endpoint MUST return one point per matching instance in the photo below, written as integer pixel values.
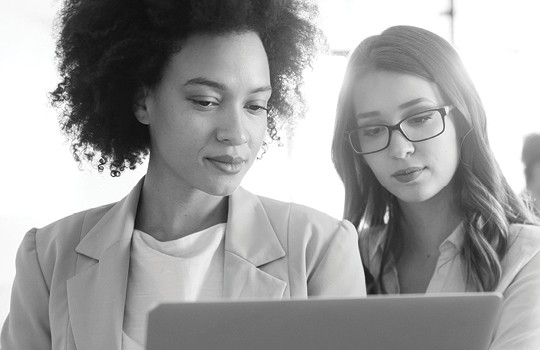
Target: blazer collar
(250, 242)
(97, 293)
(116, 225)
(250, 234)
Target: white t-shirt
(186, 269)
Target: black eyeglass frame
(443, 111)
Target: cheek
(258, 131)
(451, 145)
(376, 164)
(445, 157)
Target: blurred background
(497, 39)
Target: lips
(408, 175)
(227, 164)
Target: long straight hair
(484, 198)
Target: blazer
(71, 276)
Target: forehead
(227, 58)
(385, 91)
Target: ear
(140, 108)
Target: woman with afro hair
(195, 86)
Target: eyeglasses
(418, 127)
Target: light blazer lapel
(250, 242)
(97, 293)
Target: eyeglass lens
(419, 127)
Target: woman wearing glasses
(433, 210)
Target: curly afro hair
(108, 49)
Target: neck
(427, 224)
(167, 211)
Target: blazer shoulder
(56, 243)
(66, 233)
(524, 239)
(282, 209)
(524, 231)
(74, 222)
(301, 217)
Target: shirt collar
(455, 239)
(371, 242)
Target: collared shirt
(519, 324)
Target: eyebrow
(401, 106)
(367, 115)
(205, 82)
(413, 102)
(219, 86)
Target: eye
(372, 131)
(421, 119)
(256, 109)
(203, 104)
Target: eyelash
(203, 103)
(256, 109)
(207, 105)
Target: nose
(231, 128)
(399, 146)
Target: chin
(226, 192)
(221, 189)
(414, 196)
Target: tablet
(410, 321)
